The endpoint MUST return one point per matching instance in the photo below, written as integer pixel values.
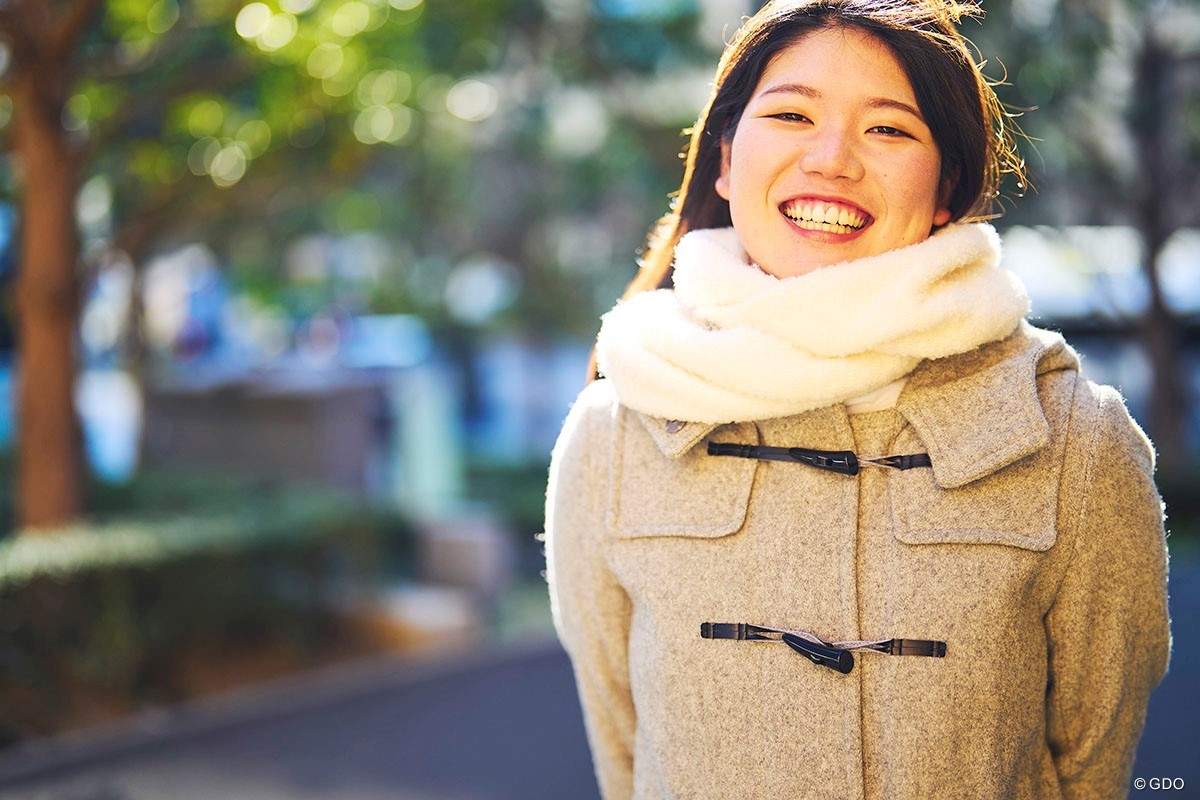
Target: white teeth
(822, 216)
(827, 227)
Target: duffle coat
(1033, 547)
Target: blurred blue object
(649, 9)
(8, 226)
(7, 404)
(109, 403)
(387, 341)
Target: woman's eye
(790, 116)
(888, 130)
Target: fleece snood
(731, 343)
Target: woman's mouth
(825, 216)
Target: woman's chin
(808, 257)
(805, 251)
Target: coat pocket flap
(1015, 507)
(694, 495)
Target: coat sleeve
(591, 610)
(1108, 629)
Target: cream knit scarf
(732, 343)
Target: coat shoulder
(597, 399)
(1101, 422)
(597, 402)
(1053, 351)
(1095, 413)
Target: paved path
(495, 727)
(504, 727)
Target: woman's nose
(831, 155)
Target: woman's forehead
(837, 61)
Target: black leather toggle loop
(827, 656)
(835, 656)
(842, 462)
(824, 654)
(912, 647)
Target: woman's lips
(823, 215)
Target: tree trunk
(1162, 337)
(50, 455)
(1162, 333)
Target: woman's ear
(942, 214)
(722, 182)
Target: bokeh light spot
(338, 85)
(325, 60)
(383, 123)
(580, 123)
(6, 109)
(481, 287)
(378, 124)
(162, 16)
(279, 32)
(201, 155)
(252, 20)
(205, 118)
(94, 203)
(229, 166)
(369, 122)
(383, 86)
(472, 100)
(351, 19)
(256, 135)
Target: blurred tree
(1116, 87)
(41, 39)
(189, 119)
(498, 140)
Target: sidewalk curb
(248, 706)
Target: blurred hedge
(103, 618)
(517, 493)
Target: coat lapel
(978, 412)
(672, 437)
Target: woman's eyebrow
(810, 92)
(887, 102)
(791, 88)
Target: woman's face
(831, 160)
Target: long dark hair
(974, 134)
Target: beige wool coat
(1034, 548)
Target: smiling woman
(821, 170)
(822, 422)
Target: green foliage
(445, 127)
(176, 568)
(518, 491)
(145, 543)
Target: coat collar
(979, 411)
(674, 438)
(975, 412)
